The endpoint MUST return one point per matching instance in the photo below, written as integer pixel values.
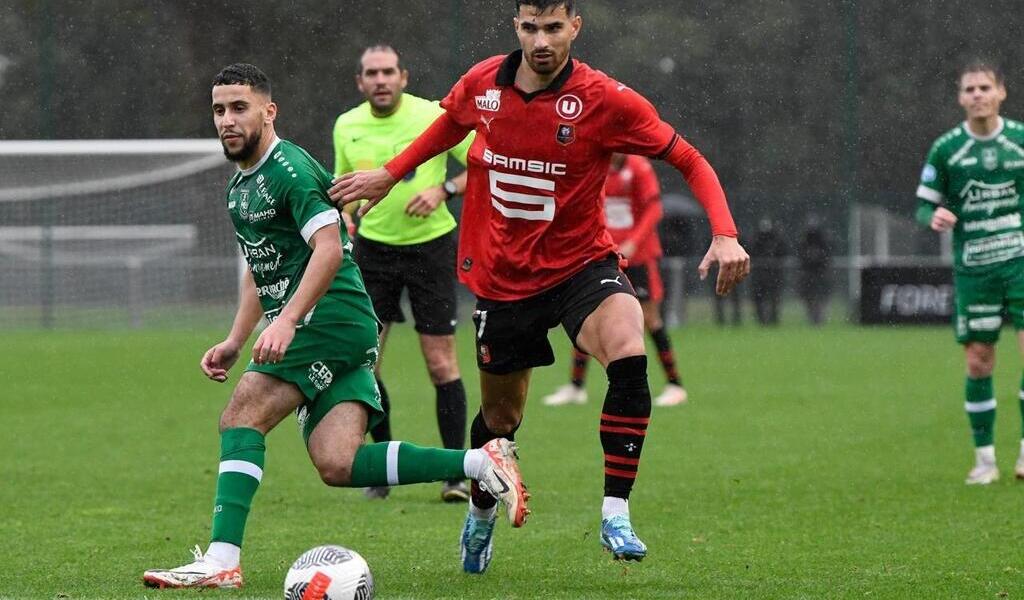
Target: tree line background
(801, 105)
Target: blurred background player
(315, 356)
(632, 206)
(408, 242)
(533, 246)
(766, 281)
(814, 253)
(970, 185)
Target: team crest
(485, 354)
(990, 158)
(569, 107)
(243, 205)
(566, 134)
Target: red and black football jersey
(533, 214)
(632, 207)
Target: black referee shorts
(513, 335)
(427, 270)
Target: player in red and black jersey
(533, 244)
(632, 209)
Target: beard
(550, 66)
(247, 150)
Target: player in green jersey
(409, 243)
(971, 185)
(316, 355)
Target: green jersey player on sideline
(971, 185)
(316, 356)
(410, 243)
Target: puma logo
(487, 122)
(615, 281)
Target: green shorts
(983, 299)
(331, 361)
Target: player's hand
(733, 263)
(943, 219)
(361, 185)
(426, 202)
(218, 360)
(274, 341)
(350, 225)
(627, 249)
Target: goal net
(115, 233)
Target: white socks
(475, 463)
(985, 455)
(224, 554)
(614, 506)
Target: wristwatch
(450, 188)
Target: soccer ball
(329, 573)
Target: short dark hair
(546, 5)
(377, 48)
(980, 65)
(243, 74)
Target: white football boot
(985, 470)
(567, 394)
(672, 395)
(502, 480)
(202, 573)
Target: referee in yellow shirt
(407, 241)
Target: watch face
(449, 186)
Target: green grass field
(808, 464)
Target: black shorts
(646, 280)
(427, 270)
(513, 335)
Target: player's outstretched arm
(374, 185)
(725, 251)
(218, 360)
(323, 265)
(371, 186)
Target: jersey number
(545, 204)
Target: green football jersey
(979, 179)
(363, 141)
(276, 206)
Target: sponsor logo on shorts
(320, 376)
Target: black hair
(980, 65)
(546, 5)
(243, 74)
(377, 48)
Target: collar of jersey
(506, 76)
(263, 159)
(985, 138)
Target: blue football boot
(617, 537)
(476, 543)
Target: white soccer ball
(329, 573)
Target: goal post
(113, 233)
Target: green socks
(242, 453)
(981, 410)
(399, 463)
